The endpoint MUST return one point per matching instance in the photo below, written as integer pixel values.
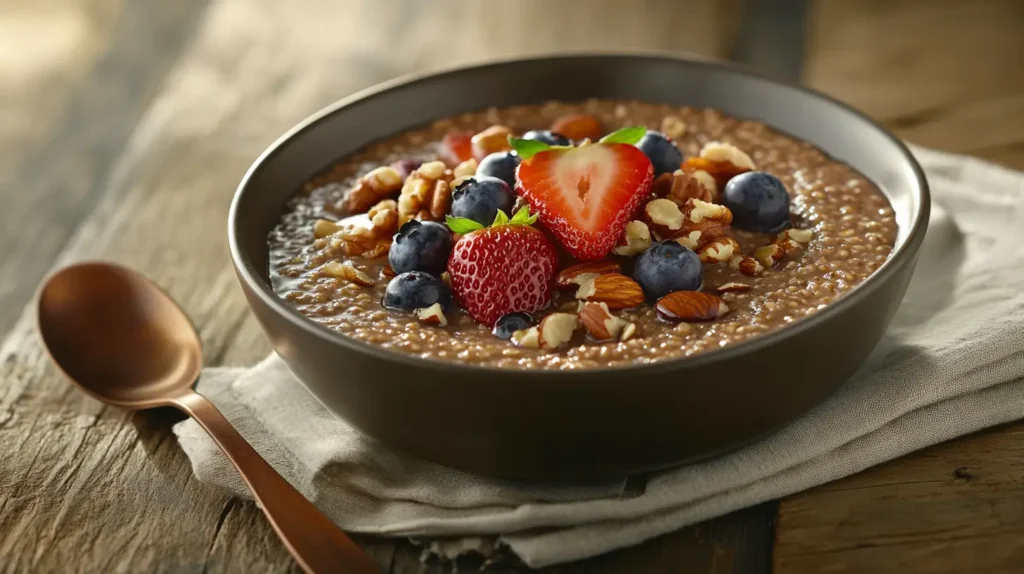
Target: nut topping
(426, 194)
(569, 276)
(347, 272)
(733, 287)
(554, 331)
(719, 250)
(614, 289)
(578, 127)
(673, 126)
(681, 186)
(719, 152)
(769, 255)
(711, 219)
(690, 306)
(746, 265)
(635, 240)
(599, 322)
(378, 184)
(432, 315)
(663, 217)
(324, 227)
(465, 169)
(690, 240)
(491, 140)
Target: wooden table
(128, 123)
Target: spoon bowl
(118, 336)
(125, 342)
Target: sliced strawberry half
(585, 195)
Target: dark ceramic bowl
(550, 424)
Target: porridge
(577, 236)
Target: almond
(578, 126)
(557, 329)
(614, 289)
(635, 240)
(719, 250)
(690, 306)
(432, 315)
(733, 287)
(491, 140)
(566, 277)
(599, 322)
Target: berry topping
(501, 165)
(585, 195)
(578, 127)
(664, 155)
(547, 136)
(480, 199)
(510, 323)
(420, 246)
(456, 147)
(505, 268)
(666, 267)
(758, 202)
(416, 290)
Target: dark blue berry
(480, 198)
(416, 290)
(547, 136)
(758, 202)
(501, 165)
(510, 323)
(666, 267)
(420, 246)
(664, 155)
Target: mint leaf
(629, 135)
(461, 224)
(500, 218)
(526, 149)
(523, 217)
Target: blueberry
(417, 290)
(664, 155)
(666, 267)
(420, 246)
(510, 323)
(501, 165)
(480, 197)
(758, 201)
(547, 136)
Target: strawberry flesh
(505, 269)
(456, 147)
(585, 196)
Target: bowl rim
(262, 289)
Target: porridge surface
(853, 227)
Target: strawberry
(456, 147)
(585, 195)
(507, 267)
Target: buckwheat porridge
(582, 235)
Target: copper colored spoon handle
(315, 542)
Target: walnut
(378, 184)
(426, 194)
(680, 186)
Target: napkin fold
(951, 363)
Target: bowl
(543, 424)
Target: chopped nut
(635, 240)
(387, 273)
(465, 169)
(690, 306)
(789, 246)
(557, 329)
(384, 218)
(719, 152)
(371, 188)
(711, 219)
(528, 338)
(356, 240)
(431, 170)
(690, 240)
(769, 255)
(379, 249)
(719, 250)
(708, 181)
(568, 277)
(348, 272)
(681, 186)
(673, 126)
(599, 322)
(683, 328)
(491, 140)
(628, 332)
(432, 315)
(426, 193)
(446, 278)
(323, 228)
(746, 265)
(733, 287)
(663, 217)
(798, 235)
(615, 289)
(578, 126)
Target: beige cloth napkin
(951, 363)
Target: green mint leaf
(526, 149)
(629, 135)
(461, 224)
(500, 218)
(523, 217)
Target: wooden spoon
(125, 342)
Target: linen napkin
(951, 363)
